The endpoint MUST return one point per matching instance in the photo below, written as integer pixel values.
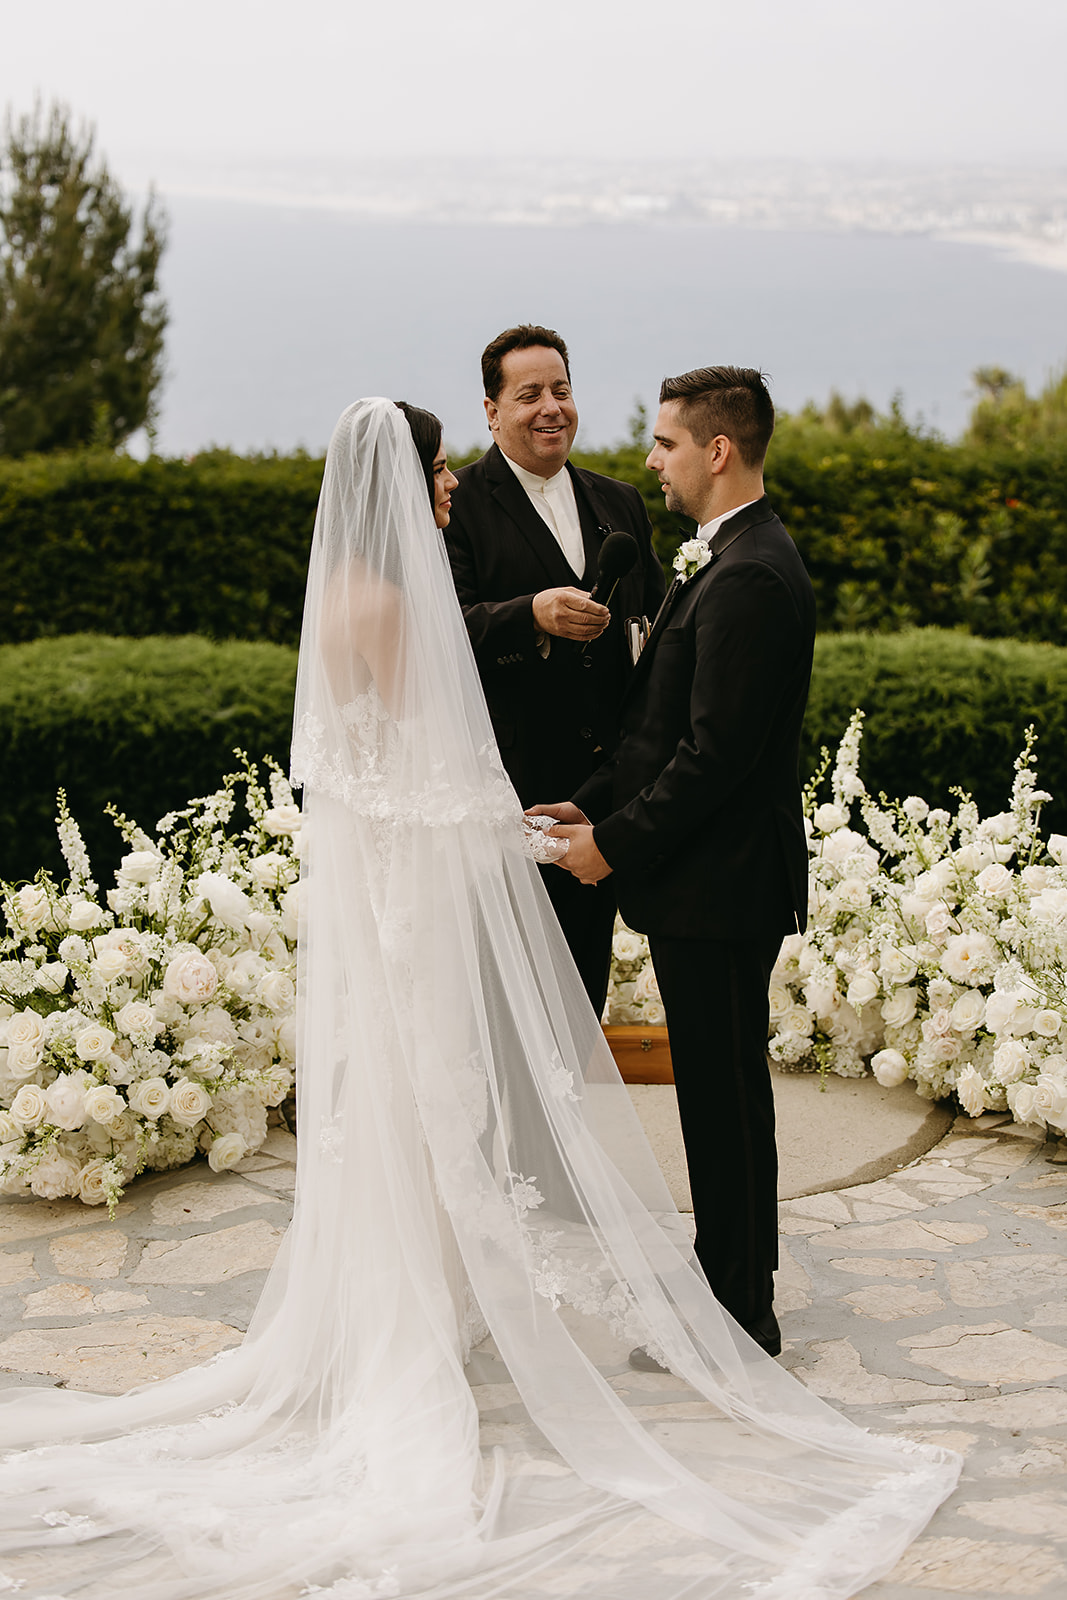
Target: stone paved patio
(932, 1302)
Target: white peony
(29, 1106)
(246, 971)
(971, 1092)
(66, 1101)
(215, 1025)
(969, 958)
(1035, 878)
(899, 1009)
(1011, 1060)
(103, 1103)
(281, 820)
(973, 857)
(1000, 1011)
(837, 847)
(94, 1043)
(189, 1102)
(228, 903)
(149, 1097)
(890, 1068)
(226, 1151)
(968, 1012)
(83, 915)
(55, 1176)
(851, 894)
(190, 978)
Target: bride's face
(443, 484)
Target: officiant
(525, 538)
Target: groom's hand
(583, 859)
(569, 614)
(563, 812)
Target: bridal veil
(471, 1177)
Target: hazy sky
(180, 92)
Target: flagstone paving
(931, 1303)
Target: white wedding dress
(469, 1164)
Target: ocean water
(280, 317)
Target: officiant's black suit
(555, 717)
(698, 812)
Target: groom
(698, 813)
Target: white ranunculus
(29, 1106)
(968, 1012)
(1011, 1061)
(111, 964)
(189, 1102)
(914, 808)
(1022, 1099)
(899, 1009)
(890, 1068)
(91, 1184)
(269, 870)
(140, 866)
(226, 1151)
(994, 881)
(1057, 848)
(103, 1103)
(31, 906)
(55, 1176)
(93, 1043)
(1047, 1024)
(969, 957)
(863, 989)
(25, 1027)
(228, 903)
(149, 1097)
(137, 1020)
(280, 820)
(66, 1102)
(190, 978)
(829, 817)
(83, 915)
(1050, 1098)
(1000, 1010)
(971, 1092)
(277, 992)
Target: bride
(477, 1214)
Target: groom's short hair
(730, 400)
(526, 336)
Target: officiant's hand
(583, 859)
(569, 614)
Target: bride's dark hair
(426, 430)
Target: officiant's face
(534, 418)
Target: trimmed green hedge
(897, 529)
(145, 723)
(151, 723)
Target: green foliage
(146, 724)
(1008, 417)
(81, 318)
(943, 711)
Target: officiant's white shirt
(553, 500)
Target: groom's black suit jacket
(555, 718)
(698, 812)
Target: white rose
(652, 1012)
(890, 1068)
(22, 1061)
(1050, 1098)
(1035, 878)
(913, 907)
(91, 1184)
(798, 1019)
(29, 1106)
(1022, 1099)
(140, 866)
(111, 964)
(285, 1039)
(228, 903)
(1047, 1024)
(189, 1102)
(973, 857)
(84, 915)
(968, 1012)
(828, 818)
(914, 808)
(245, 972)
(55, 1176)
(1055, 1064)
(66, 1102)
(938, 919)
(25, 1027)
(935, 880)
(780, 1000)
(994, 881)
(93, 1043)
(281, 820)
(216, 1025)
(1000, 1011)
(627, 946)
(226, 1151)
(277, 992)
(792, 945)
(899, 1009)
(119, 1070)
(103, 1103)
(269, 870)
(52, 976)
(898, 965)
(1057, 847)
(970, 1091)
(31, 906)
(646, 987)
(150, 1097)
(851, 894)
(943, 1048)
(9, 1128)
(968, 956)
(190, 978)
(1011, 1060)
(863, 988)
(290, 908)
(137, 1020)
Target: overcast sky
(180, 91)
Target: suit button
(586, 661)
(586, 733)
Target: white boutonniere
(692, 555)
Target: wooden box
(642, 1054)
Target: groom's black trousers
(715, 996)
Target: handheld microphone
(618, 554)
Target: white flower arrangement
(633, 993)
(936, 948)
(141, 1028)
(690, 557)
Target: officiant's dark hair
(729, 400)
(526, 336)
(427, 431)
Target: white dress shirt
(553, 500)
(710, 529)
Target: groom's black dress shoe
(766, 1333)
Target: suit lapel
(511, 497)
